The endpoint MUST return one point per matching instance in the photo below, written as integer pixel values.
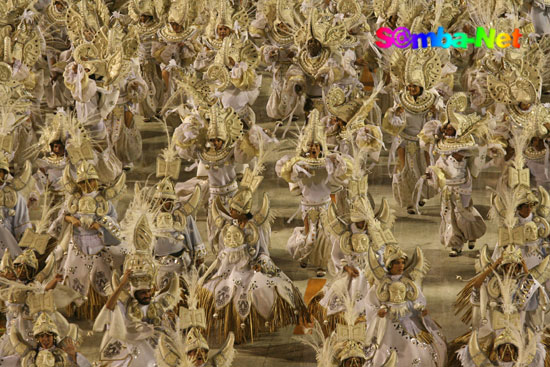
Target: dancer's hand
(73, 220)
(96, 226)
(354, 273)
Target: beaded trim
(421, 104)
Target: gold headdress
(57, 16)
(195, 340)
(224, 124)
(44, 324)
(150, 8)
(55, 128)
(28, 258)
(197, 91)
(109, 56)
(193, 319)
(277, 13)
(224, 14)
(141, 260)
(321, 27)
(165, 189)
(138, 229)
(86, 171)
(86, 20)
(511, 194)
(511, 255)
(462, 123)
(182, 12)
(12, 113)
(513, 80)
(423, 68)
(242, 201)
(392, 253)
(467, 126)
(313, 133)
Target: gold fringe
(89, 309)
(463, 305)
(283, 314)
(319, 313)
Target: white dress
(402, 332)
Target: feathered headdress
(138, 229)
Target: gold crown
(351, 349)
(511, 255)
(44, 324)
(165, 189)
(508, 336)
(195, 340)
(320, 26)
(141, 260)
(143, 270)
(224, 124)
(181, 12)
(423, 68)
(392, 253)
(224, 16)
(86, 171)
(27, 257)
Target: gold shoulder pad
(375, 267)
(541, 272)
(191, 205)
(217, 211)
(167, 352)
(116, 189)
(68, 182)
(334, 224)
(476, 353)
(385, 214)
(23, 178)
(264, 214)
(543, 227)
(224, 358)
(484, 259)
(543, 208)
(419, 265)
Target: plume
(324, 347)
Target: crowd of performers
(82, 80)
